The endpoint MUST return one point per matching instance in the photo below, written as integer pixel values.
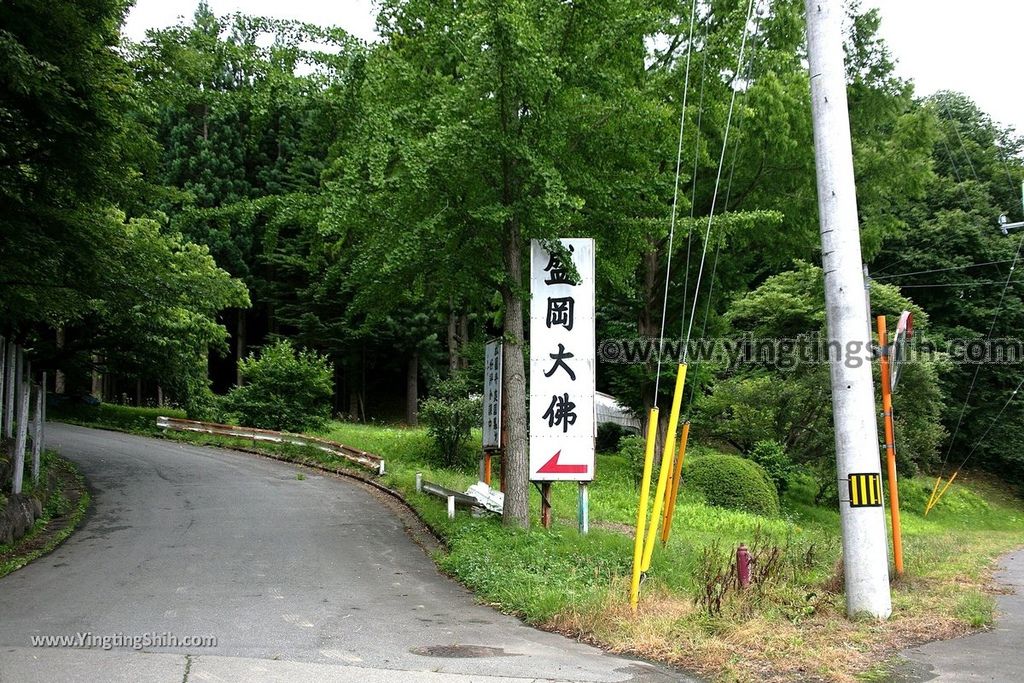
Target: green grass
(37, 542)
(792, 625)
(113, 416)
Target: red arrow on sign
(552, 466)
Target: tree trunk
(412, 398)
(58, 379)
(516, 460)
(648, 327)
(3, 384)
(97, 378)
(463, 340)
(239, 345)
(159, 396)
(9, 388)
(453, 342)
(138, 392)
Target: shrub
(450, 415)
(285, 389)
(631, 448)
(609, 434)
(730, 481)
(772, 456)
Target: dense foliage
(233, 179)
(730, 481)
(450, 414)
(284, 389)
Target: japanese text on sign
(492, 396)
(562, 363)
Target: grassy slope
(792, 628)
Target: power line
(941, 270)
(718, 177)
(675, 197)
(732, 175)
(696, 160)
(992, 424)
(973, 283)
(977, 369)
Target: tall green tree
(952, 260)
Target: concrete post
(19, 371)
(3, 383)
(19, 445)
(853, 398)
(37, 434)
(11, 362)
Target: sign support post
(583, 513)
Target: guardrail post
(451, 507)
(380, 468)
(419, 482)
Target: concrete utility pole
(853, 398)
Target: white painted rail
(360, 457)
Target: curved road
(298, 579)
(993, 655)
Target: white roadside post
(22, 440)
(865, 556)
(37, 433)
(19, 387)
(3, 383)
(8, 396)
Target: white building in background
(610, 410)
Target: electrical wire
(954, 284)
(977, 369)
(696, 161)
(992, 424)
(956, 129)
(675, 199)
(940, 270)
(718, 177)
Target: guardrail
(453, 497)
(360, 457)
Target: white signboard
(562, 364)
(492, 396)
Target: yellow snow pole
(666, 467)
(641, 509)
(670, 507)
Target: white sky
(973, 47)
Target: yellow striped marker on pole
(666, 466)
(641, 509)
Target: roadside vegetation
(790, 625)
(63, 511)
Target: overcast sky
(974, 47)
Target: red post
(545, 505)
(487, 468)
(743, 566)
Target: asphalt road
(297, 579)
(993, 655)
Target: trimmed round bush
(729, 481)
